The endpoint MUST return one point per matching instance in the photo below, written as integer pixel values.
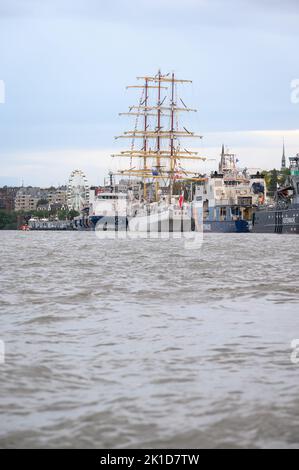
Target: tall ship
(283, 215)
(155, 162)
(157, 157)
(230, 197)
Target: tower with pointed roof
(283, 160)
(221, 164)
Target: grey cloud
(165, 11)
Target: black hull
(103, 223)
(100, 222)
(277, 221)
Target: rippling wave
(145, 344)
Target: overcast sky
(65, 65)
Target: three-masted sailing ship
(156, 156)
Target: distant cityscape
(58, 206)
(32, 198)
(77, 193)
(52, 199)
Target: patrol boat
(283, 216)
(108, 211)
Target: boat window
(236, 211)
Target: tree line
(12, 220)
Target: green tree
(8, 220)
(73, 213)
(282, 177)
(63, 214)
(42, 202)
(272, 180)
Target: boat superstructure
(108, 211)
(283, 216)
(229, 196)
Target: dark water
(145, 344)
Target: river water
(146, 344)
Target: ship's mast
(145, 136)
(172, 161)
(158, 129)
(172, 152)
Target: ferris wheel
(77, 191)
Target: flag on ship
(181, 199)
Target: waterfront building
(26, 202)
(7, 198)
(57, 196)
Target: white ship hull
(164, 220)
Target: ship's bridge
(294, 165)
(111, 196)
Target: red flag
(181, 200)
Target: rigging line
(176, 100)
(141, 102)
(163, 101)
(183, 103)
(177, 116)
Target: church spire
(221, 165)
(283, 160)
